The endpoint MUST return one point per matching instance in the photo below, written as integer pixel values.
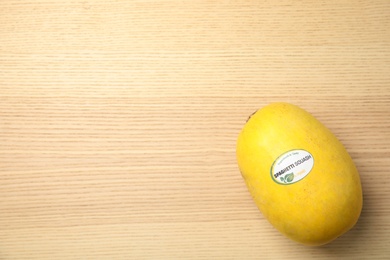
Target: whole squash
(299, 174)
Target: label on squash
(292, 167)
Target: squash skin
(322, 206)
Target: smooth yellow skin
(320, 207)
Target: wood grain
(118, 122)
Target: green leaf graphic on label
(281, 178)
(290, 177)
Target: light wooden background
(118, 122)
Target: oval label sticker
(292, 166)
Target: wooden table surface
(119, 119)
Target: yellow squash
(300, 176)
